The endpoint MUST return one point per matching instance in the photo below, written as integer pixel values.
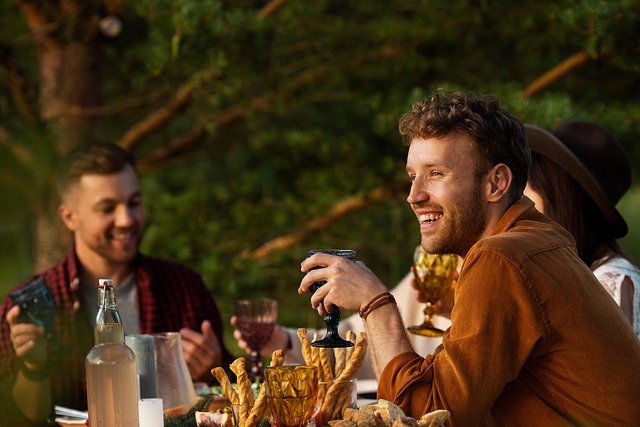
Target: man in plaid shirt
(102, 206)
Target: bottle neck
(109, 328)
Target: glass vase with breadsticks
(249, 410)
(339, 389)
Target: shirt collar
(73, 272)
(519, 208)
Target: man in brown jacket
(535, 339)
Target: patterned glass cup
(292, 393)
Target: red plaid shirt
(170, 297)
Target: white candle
(150, 411)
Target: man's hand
(202, 351)
(279, 340)
(33, 398)
(28, 341)
(349, 285)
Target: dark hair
(102, 158)
(568, 204)
(498, 135)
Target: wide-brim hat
(594, 158)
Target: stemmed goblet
(256, 320)
(433, 274)
(332, 318)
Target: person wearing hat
(579, 173)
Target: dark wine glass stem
(256, 366)
(332, 319)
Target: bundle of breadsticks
(251, 410)
(333, 399)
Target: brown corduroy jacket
(535, 339)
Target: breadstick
(307, 354)
(333, 401)
(257, 413)
(351, 336)
(355, 360)
(322, 392)
(340, 354)
(277, 358)
(315, 353)
(244, 389)
(225, 383)
(324, 366)
(341, 396)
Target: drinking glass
(434, 274)
(256, 320)
(346, 392)
(291, 393)
(332, 319)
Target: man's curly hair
(499, 137)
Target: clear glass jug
(171, 382)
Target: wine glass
(291, 392)
(434, 274)
(256, 320)
(332, 319)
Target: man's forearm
(387, 336)
(33, 397)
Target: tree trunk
(71, 84)
(70, 49)
(52, 238)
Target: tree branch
(32, 10)
(316, 73)
(556, 73)
(187, 141)
(161, 117)
(117, 107)
(16, 149)
(157, 119)
(271, 7)
(341, 209)
(168, 152)
(17, 83)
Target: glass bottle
(112, 386)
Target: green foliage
(300, 111)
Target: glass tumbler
(291, 393)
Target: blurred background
(265, 128)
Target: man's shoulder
(54, 276)
(56, 279)
(526, 238)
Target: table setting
(314, 394)
(311, 395)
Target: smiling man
(101, 204)
(535, 339)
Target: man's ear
(68, 216)
(500, 179)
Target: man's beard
(467, 224)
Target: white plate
(71, 420)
